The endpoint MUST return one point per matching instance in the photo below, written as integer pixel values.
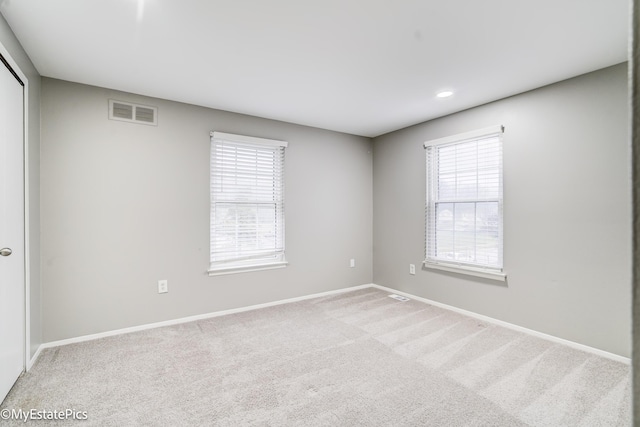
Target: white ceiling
(364, 67)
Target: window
(464, 203)
(247, 203)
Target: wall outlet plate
(163, 286)
(352, 263)
(412, 269)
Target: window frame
(473, 269)
(252, 262)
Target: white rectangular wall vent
(399, 297)
(122, 111)
(134, 113)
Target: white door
(12, 255)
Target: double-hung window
(464, 203)
(247, 203)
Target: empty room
(336, 213)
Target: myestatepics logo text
(42, 414)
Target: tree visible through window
(464, 201)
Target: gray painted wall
(9, 41)
(634, 74)
(124, 205)
(566, 212)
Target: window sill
(246, 268)
(470, 271)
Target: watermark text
(42, 414)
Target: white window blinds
(464, 201)
(247, 203)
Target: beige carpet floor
(355, 359)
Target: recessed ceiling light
(444, 94)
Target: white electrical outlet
(352, 263)
(163, 286)
(412, 269)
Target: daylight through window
(247, 203)
(464, 203)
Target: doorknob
(5, 251)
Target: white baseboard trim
(33, 359)
(488, 319)
(188, 319)
(511, 326)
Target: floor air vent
(134, 113)
(399, 297)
